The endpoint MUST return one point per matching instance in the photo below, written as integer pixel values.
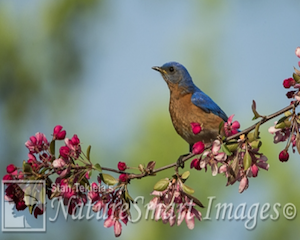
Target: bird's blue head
(175, 73)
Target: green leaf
(27, 167)
(185, 175)
(187, 189)
(97, 167)
(88, 151)
(256, 144)
(251, 136)
(221, 126)
(226, 150)
(83, 180)
(52, 147)
(282, 119)
(297, 71)
(296, 77)
(280, 125)
(288, 113)
(195, 200)
(161, 185)
(232, 145)
(298, 142)
(30, 208)
(256, 114)
(128, 197)
(108, 179)
(247, 160)
(256, 131)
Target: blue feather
(201, 100)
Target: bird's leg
(179, 162)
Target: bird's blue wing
(201, 100)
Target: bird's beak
(159, 69)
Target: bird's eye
(171, 69)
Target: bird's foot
(180, 162)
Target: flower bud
(123, 177)
(254, 170)
(297, 52)
(286, 83)
(122, 166)
(58, 133)
(284, 156)
(198, 148)
(11, 168)
(196, 128)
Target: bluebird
(189, 104)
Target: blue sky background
(235, 52)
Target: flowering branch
(235, 153)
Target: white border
(43, 229)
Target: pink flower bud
(195, 163)
(117, 228)
(58, 133)
(243, 184)
(58, 163)
(11, 168)
(198, 148)
(7, 177)
(297, 52)
(196, 128)
(286, 83)
(290, 94)
(254, 170)
(64, 151)
(123, 177)
(284, 156)
(75, 140)
(122, 166)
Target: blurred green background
(86, 64)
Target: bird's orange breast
(183, 112)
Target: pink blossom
(244, 183)
(93, 195)
(195, 163)
(64, 151)
(281, 134)
(188, 213)
(230, 127)
(254, 170)
(297, 52)
(117, 228)
(37, 143)
(98, 206)
(74, 145)
(58, 133)
(58, 163)
(213, 157)
(113, 221)
(196, 128)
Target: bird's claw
(180, 162)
